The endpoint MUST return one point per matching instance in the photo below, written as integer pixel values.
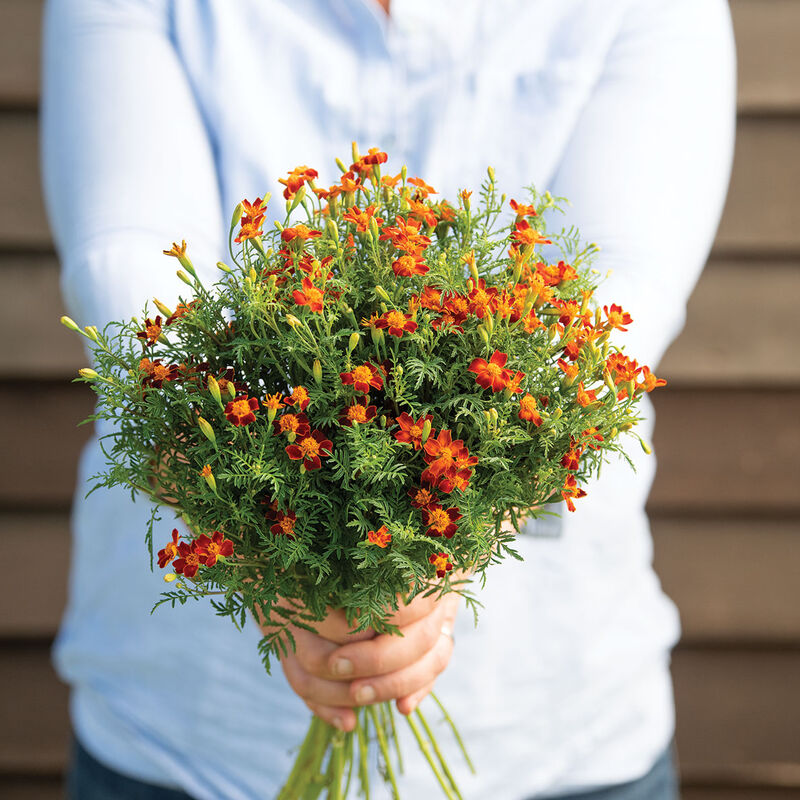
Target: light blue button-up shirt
(160, 115)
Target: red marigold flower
(617, 318)
(514, 382)
(570, 370)
(527, 410)
(491, 374)
(361, 218)
(405, 236)
(421, 498)
(297, 177)
(188, 561)
(380, 537)
(156, 374)
(170, 550)
(572, 458)
(250, 229)
(152, 330)
(622, 367)
(299, 231)
(430, 298)
(442, 452)
(649, 380)
(585, 398)
(440, 521)
(310, 449)
(441, 562)
(311, 296)
(211, 549)
(292, 423)
(299, 397)
(181, 310)
(571, 491)
(455, 309)
(422, 212)
(357, 412)
(284, 526)
(523, 234)
(523, 211)
(411, 432)
(591, 435)
(361, 378)
(482, 301)
(240, 410)
(397, 323)
(458, 480)
(365, 164)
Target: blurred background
(725, 507)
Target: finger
(406, 705)
(313, 652)
(342, 718)
(313, 689)
(406, 681)
(336, 628)
(387, 652)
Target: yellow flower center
(287, 525)
(299, 395)
(273, 402)
(362, 374)
(438, 519)
(395, 319)
(160, 372)
(240, 408)
(309, 447)
(415, 431)
(495, 370)
(357, 413)
(289, 423)
(423, 497)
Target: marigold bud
(373, 229)
(490, 173)
(207, 430)
(237, 215)
(213, 388)
(341, 165)
(488, 321)
(353, 341)
(426, 431)
(293, 320)
(231, 389)
(161, 307)
(646, 447)
(224, 267)
(91, 332)
(354, 151)
(493, 415)
(377, 335)
(298, 198)
(484, 334)
(333, 229)
(184, 277)
(209, 478)
(317, 371)
(89, 374)
(382, 293)
(169, 577)
(403, 173)
(70, 323)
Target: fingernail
(343, 666)
(337, 723)
(366, 694)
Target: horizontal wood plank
(734, 581)
(766, 33)
(714, 349)
(760, 215)
(719, 451)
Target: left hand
(332, 673)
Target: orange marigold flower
(591, 435)
(405, 236)
(380, 537)
(152, 330)
(297, 177)
(423, 190)
(458, 480)
(523, 234)
(361, 218)
(358, 412)
(422, 212)
(514, 382)
(292, 423)
(649, 380)
(617, 318)
(299, 397)
(210, 549)
(255, 209)
(365, 164)
(411, 432)
(441, 563)
(491, 374)
(284, 526)
(440, 521)
(156, 374)
(421, 498)
(177, 250)
(250, 229)
(188, 561)
(444, 211)
(570, 370)
(528, 411)
(350, 183)
(585, 398)
(311, 296)
(272, 402)
(170, 550)
(554, 274)
(441, 453)
(572, 458)
(300, 232)
(362, 378)
(310, 449)
(389, 181)
(397, 323)
(522, 210)
(240, 410)
(571, 491)
(622, 368)
(481, 300)
(430, 298)
(181, 311)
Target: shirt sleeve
(126, 159)
(647, 167)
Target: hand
(335, 670)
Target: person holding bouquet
(158, 117)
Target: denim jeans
(88, 779)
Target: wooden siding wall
(726, 502)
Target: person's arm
(646, 169)
(127, 163)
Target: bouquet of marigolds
(350, 414)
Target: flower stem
(455, 733)
(426, 751)
(437, 750)
(384, 750)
